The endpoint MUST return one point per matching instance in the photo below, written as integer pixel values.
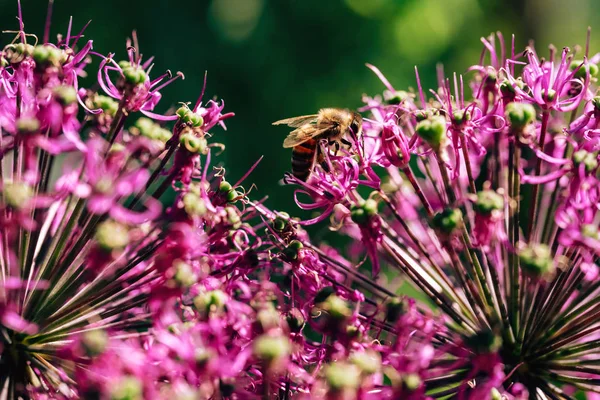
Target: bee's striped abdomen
(303, 157)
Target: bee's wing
(297, 122)
(302, 134)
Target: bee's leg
(346, 142)
(320, 159)
(336, 146)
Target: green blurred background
(271, 59)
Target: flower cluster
(132, 268)
(486, 199)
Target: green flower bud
(106, 104)
(323, 294)
(433, 131)
(134, 75)
(279, 224)
(233, 217)
(196, 120)
(17, 194)
(292, 249)
(336, 307)
(596, 102)
(41, 54)
(271, 348)
(368, 361)
(396, 97)
(210, 302)
(549, 95)
(183, 111)
(194, 205)
(362, 212)
(28, 125)
(488, 201)
(448, 220)
(591, 67)
(519, 114)
(590, 160)
(268, 317)
(224, 187)
(295, 320)
(342, 376)
(411, 382)
(94, 342)
(536, 260)
(192, 143)
(65, 94)
(495, 394)
(590, 231)
(459, 117)
(184, 274)
(127, 388)
(506, 88)
(484, 342)
(395, 308)
(111, 235)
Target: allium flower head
(133, 267)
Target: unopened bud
(433, 131)
(111, 235)
(536, 260)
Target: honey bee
(331, 124)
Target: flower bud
(590, 160)
(395, 97)
(361, 213)
(342, 376)
(536, 260)
(106, 104)
(194, 205)
(94, 342)
(271, 349)
(183, 111)
(495, 394)
(447, 221)
(519, 114)
(196, 120)
(193, 143)
(323, 294)
(394, 309)
(368, 361)
(17, 194)
(433, 131)
(268, 317)
(295, 320)
(411, 382)
(484, 342)
(280, 223)
(184, 274)
(126, 388)
(581, 73)
(291, 251)
(230, 194)
(111, 235)
(133, 74)
(233, 217)
(210, 302)
(336, 307)
(28, 125)
(65, 95)
(590, 231)
(488, 201)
